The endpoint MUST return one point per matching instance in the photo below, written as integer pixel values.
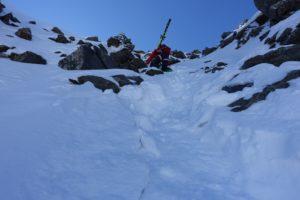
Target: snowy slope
(173, 137)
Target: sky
(196, 23)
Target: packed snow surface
(172, 138)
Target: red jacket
(164, 51)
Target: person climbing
(160, 58)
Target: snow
(173, 137)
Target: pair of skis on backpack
(160, 56)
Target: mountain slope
(172, 137)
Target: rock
(57, 52)
(271, 41)
(227, 41)
(85, 57)
(6, 19)
(173, 61)
(236, 88)
(3, 48)
(196, 51)
(98, 82)
(32, 22)
(80, 42)
(57, 30)
(256, 31)
(92, 38)
(225, 34)
(72, 38)
(178, 54)
(2, 6)
(28, 57)
(277, 9)
(217, 67)
(113, 42)
(60, 39)
(120, 39)
(63, 55)
(263, 36)
(294, 38)
(122, 58)
(10, 36)
(24, 33)
(243, 104)
(136, 64)
(154, 72)
(262, 19)
(45, 29)
(275, 57)
(127, 80)
(193, 56)
(208, 51)
(284, 37)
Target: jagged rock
(262, 19)
(236, 88)
(57, 52)
(63, 55)
(263, 36)
(57, 30)
(60, 39)
(24, 33)
(85, 57)
(208, 51)
(154, 72)
(122, 58)
(196, 51)
(173, 61)
(294, 37)
(227, 41)
(256, 31)
(225, 34)
(193, 56)
(72, 38)
(243, 104)
(277, 9)
(32, 22)
(271, 41)
(3, 48)
(275, 57)
(127, 80)
(113, 42)
(98, 82)
(93, 38)
(6, 19)
(178, 54)
(80, 42)
(284, 37)
(2, 6)
(217, 67)
(136, 64)
(28, 57)
(120, 39)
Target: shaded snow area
(171, 138)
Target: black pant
(159, 62)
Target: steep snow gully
(171, 138)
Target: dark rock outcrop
(217, 67)
(28, 57)
(208, 51)
(9, 19)
(178, 54)
(3, 48)
(275, 57)
(24, 33)
(154, 72)
(277, 9)
(121, 39)
(113, 42)
(72, 38)
(236, 88)
(290, 36)
(32, 22)
(2, 6)
(127, 80)
(57, 30)
(98, 82)
(85, 57)
(60, 39)
(225, 34)
(243, 104)
(92, 38)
